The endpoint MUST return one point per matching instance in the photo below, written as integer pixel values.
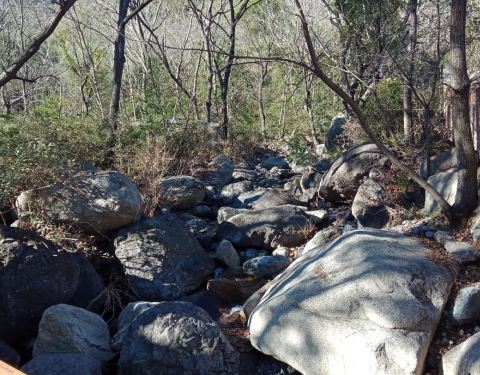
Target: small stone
(227, 254)
(266, 266)
(461, 332)
(476, 329)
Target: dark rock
(90, 292)
(369, 206)
(181, 192)
(274, 198)
(161, 259)
(234, 291)
(33, 277)
(176, 338)
(267, 228)
(266, 266)
(340, 183)
(8, 354)
(63, 364)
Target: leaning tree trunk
(118, 64)
(466, 197)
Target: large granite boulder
(267, 228)
(441, 162)
(466, 308)
(463, 359)
(369, 207)
(94, 203)
(63, 364)
(161, 259)
(367, 303)
(71, 329)
(131, 312)
(176, 338)
(335, 131)
(446, 183)
(181, 192)
(274, 198)
(33, 277)
(233, 190)
(341, 181)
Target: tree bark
(118, 65)
(407, 91)
(466, 198)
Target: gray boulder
(90, 293)
(267, 228)
(367, 303)
(274, 198)
(340, 183)
(202, 210)
(446, 183)
(201, 229)
(181, 192)
(225, 213)
(322, 237)
(266, 266)
(249, 198)
(227, 254)
(176, 338)
(71, 329)
(463, 359)
(242, 174)
(335, 131)
(438, 163)
(63, 364)
(233, 190)
(126, 318)
(161, 259)
(466, 308)
(462, 251)
(221, 171)
(369, 207)
(33, 277)
(275, 161)
(93, 203)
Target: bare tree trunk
(118, 65)
(466, 198)
(309, 106)
(261, 104)
(407, 90)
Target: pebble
(476, 329)
(461, 332)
